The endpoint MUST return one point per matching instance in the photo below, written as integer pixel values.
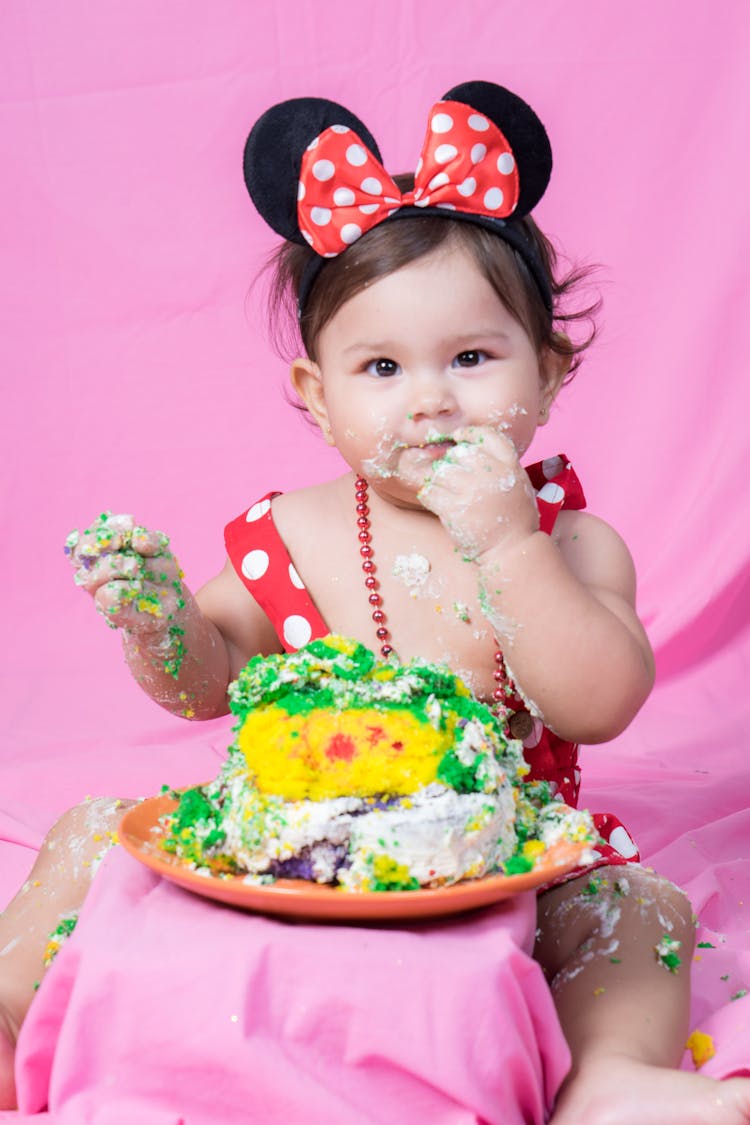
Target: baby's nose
(432, 397)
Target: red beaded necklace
(504, 690)
(371, 582)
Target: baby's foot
(7, 1055)
(615, 1090)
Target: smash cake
(368, 775)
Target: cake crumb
(701, 1047)
(666, 953)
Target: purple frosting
(300, 866)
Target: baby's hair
(392, 245)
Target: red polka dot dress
(262, 561)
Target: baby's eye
(382, 367)
(469, 359)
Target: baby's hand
(130, 572)
(480, 492)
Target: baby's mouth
(431, 439)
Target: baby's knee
(655, 894)
(592, 912)
(79, 839)
(96, 815)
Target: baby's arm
(182, 649)
(562, 607)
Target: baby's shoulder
(321, 511)
(594, 551)
(315, 503)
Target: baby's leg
(54, 890)
(624, 1003)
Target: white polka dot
(371, 186)
(339, 128)
(343, 197)
(356, 155)
(439, 180)
(535, 737)
(493, 198)
(307, 237)
(390, 199)
(447, 206)
(369, 208)
(255, 564)
(478, 123)
(295, 578)
(350, 232)
(551, 466)
(478, 152)
(551, 493)
(321, 216)
(323, 170)
(444, 153)
(421, 202)
(468, 187)
(418, 168)
(300, 191)
(505, 163)
(622, 843)
(313, 144)
(258, 510)
(577, 776)
(441, 123)
(297, 630)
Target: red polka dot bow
(466, 165)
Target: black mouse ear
(274, 151)
(522, 129)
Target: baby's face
(417, 355)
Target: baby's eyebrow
(376, 348)
(474, 336)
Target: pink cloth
(133, 381)
(234, 1017)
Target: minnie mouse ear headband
(314, 173)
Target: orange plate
(140, 832)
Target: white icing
(444, 837)
(413, 569)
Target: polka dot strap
(466, 165)
(262, 562)
(557, 487)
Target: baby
(433, 331)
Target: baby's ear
(308, 383)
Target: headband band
(314, 172)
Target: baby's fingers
(149, 543)
(136, 606)
(96, 572)
(107, 534)
(495, 443)
(114, 533)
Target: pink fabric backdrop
(138, 378)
